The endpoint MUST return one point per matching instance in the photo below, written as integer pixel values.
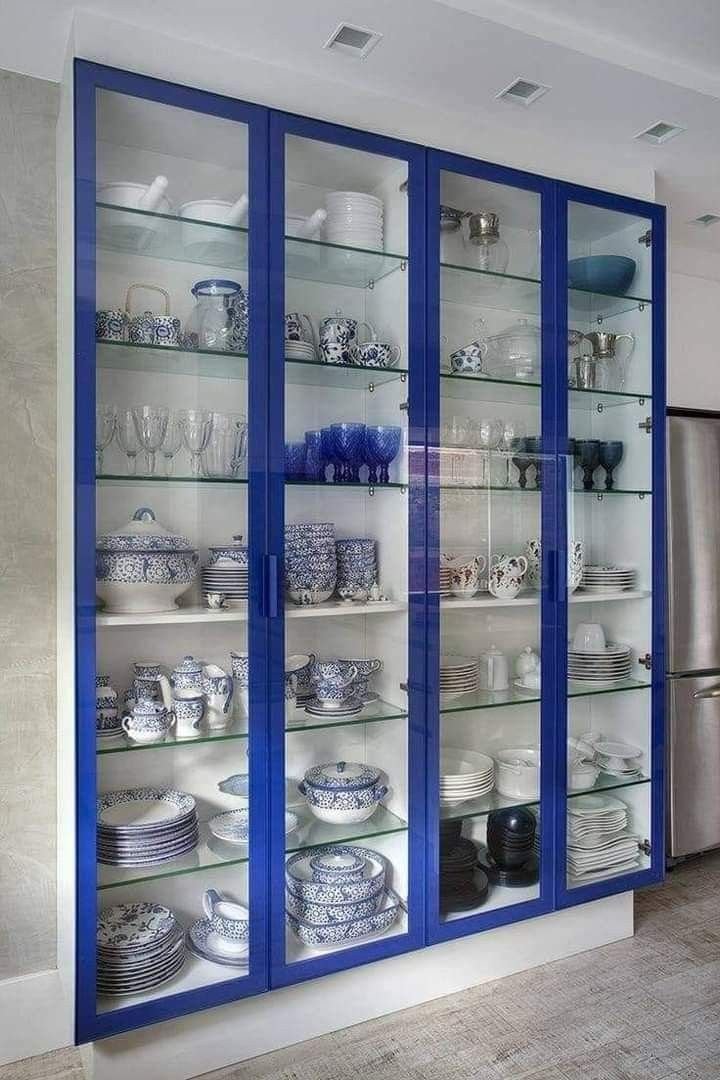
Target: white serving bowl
(518, 781)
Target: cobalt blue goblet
(370, 460)
(611, 454)
(314, 463)
(348, 440)
(589, 452)
(328, 452)
(384, 445)
(295, 460)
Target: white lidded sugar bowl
(143, 567)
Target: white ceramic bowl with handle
(517, 773)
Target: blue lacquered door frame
(553, 373)
(655, 214)
(282, 125)
(89, 78)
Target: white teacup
(589, 638)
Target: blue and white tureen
(143, 567)
(342, 792)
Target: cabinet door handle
(270, 575)
(711, 692)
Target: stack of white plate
(228, 577)
(465, 774)
(607, 667)
(354, 219)
(139, 946)
(598, 845)
(445, 578)
(458, 674)
(607, 579)
(145, 826)
(299, 350)
(618, 758)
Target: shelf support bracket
(645, 847)
(646, 238)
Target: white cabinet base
(209, 1040)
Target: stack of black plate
(510, 859)
(462, 884)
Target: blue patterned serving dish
(351, 930)
(300, 882)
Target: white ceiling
(614, 67)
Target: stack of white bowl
(354, 219)
(465, 774)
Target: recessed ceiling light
(354, 40)
(660, 132)
(523, 91)
(705, 219)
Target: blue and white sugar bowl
(147, 722)
(187, 675)
(342, 792)
(143, 567)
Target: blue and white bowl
(237, 552)
(343, 804)
(333, 865)
(325, 914)
(299, 876)
(353, 929)
(342, 776)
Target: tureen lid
(143, 533)
(236, 545)
(521, 327)
(345, 775)
(188, 665)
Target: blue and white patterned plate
(233, 826)
(143, 808)
(134, 926)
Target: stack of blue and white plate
(357, 563)
(139, 946)
(227, 571)
(145, 826)
(310, 560)
(338, 894)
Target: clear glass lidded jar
(214, 321)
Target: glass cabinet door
(614, 537)
(491, 492)
(347, 726)
(168, 351)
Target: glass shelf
(238, 613)
(589, 305)
(481, 807)
(160, 236)
(210, 852)
(314, 833)
(489, 388)
(355, 485)
(598, 492)
(531, 598)
(221, 364)
(124, 478)
(483, 288)
(588, 399)
(373, 713)
(485, 699)
(609, 783)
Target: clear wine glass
(172, 442)
(151, 423)
(105, 422)
(127, 438)
(196, 428)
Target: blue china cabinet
(374, 516)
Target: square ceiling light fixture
(355, 40)
(523, 92)
(705, 219)
(660, 132)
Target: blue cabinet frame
(267, 131)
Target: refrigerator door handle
(711, 692)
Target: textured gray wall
(28, 111)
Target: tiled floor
(643, 1009)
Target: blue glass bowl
(602, 273)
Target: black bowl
(514, 819)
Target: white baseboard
(35, 1016)
(180, 1049)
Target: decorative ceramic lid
(342, 775)
(143, 533)
(188, 666)
(233, 551)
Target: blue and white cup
(336, 352)
(299, 327)
(112, 325)
(377, 354)
(240, 664)
(189, 710)
(166, 331)
(149, 722)
(469, 359)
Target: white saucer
(204, 942)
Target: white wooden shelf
(202, 614)
(532, 599)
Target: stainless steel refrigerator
(694, 631)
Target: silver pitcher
(604, 345)
(587, 373)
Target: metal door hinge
(645, 847)
(646, 238)
(646, 425)
(646, 661)
(405, 686)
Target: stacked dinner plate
(445, 577)
(618, 759)
(604, 668)
(139, 946)
(598, 845)
(299, 350)
(145, 826)
(465, 774)
(227, 571)
(354, 219)
(607, 579)
(458, 674)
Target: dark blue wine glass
(330, 457)
(314, 464)
(611, 454)
(589, 457)
(384, 445)
(370, 460)
(295, 460)
(348, 440)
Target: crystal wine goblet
(522, 460)
(127, 437)
(384, 444)
(171, 443)
(196, 428)
(589, 453)
(533, 445)
(514, 431)
(105, 421)
(151, 422)
(611, 454)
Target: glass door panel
(346, 550)
(173, 566)
(489, 490)
(610, 544)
